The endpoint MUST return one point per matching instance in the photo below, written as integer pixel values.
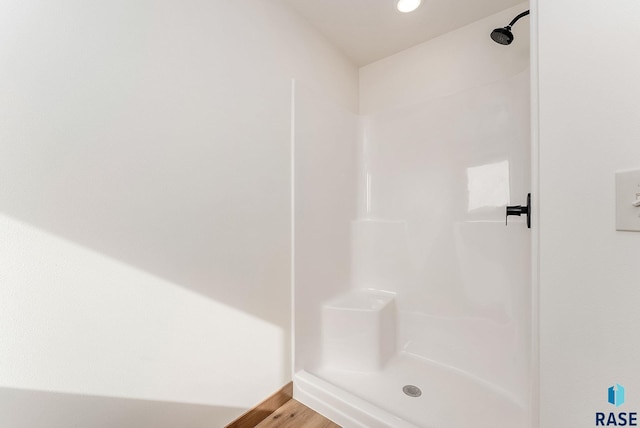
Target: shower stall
(412, 298)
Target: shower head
(504, 36)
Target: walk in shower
(412, 302)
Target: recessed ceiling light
(408, 5)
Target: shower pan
(412, 304)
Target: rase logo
(616, 397)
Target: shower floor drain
(412, 390)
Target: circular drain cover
(412, 390)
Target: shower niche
(405, 276)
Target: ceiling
(369, 30)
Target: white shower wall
(459, 60)
(437, 177)
(442, 146)
(325, 198)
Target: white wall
(589, 103)
(144, 195)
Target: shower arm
(522, 15)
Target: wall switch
(628, 200)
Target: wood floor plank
(263, 410)
(294, 414)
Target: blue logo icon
(616, 395)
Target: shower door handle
(519, 210)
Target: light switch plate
(627, 192)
